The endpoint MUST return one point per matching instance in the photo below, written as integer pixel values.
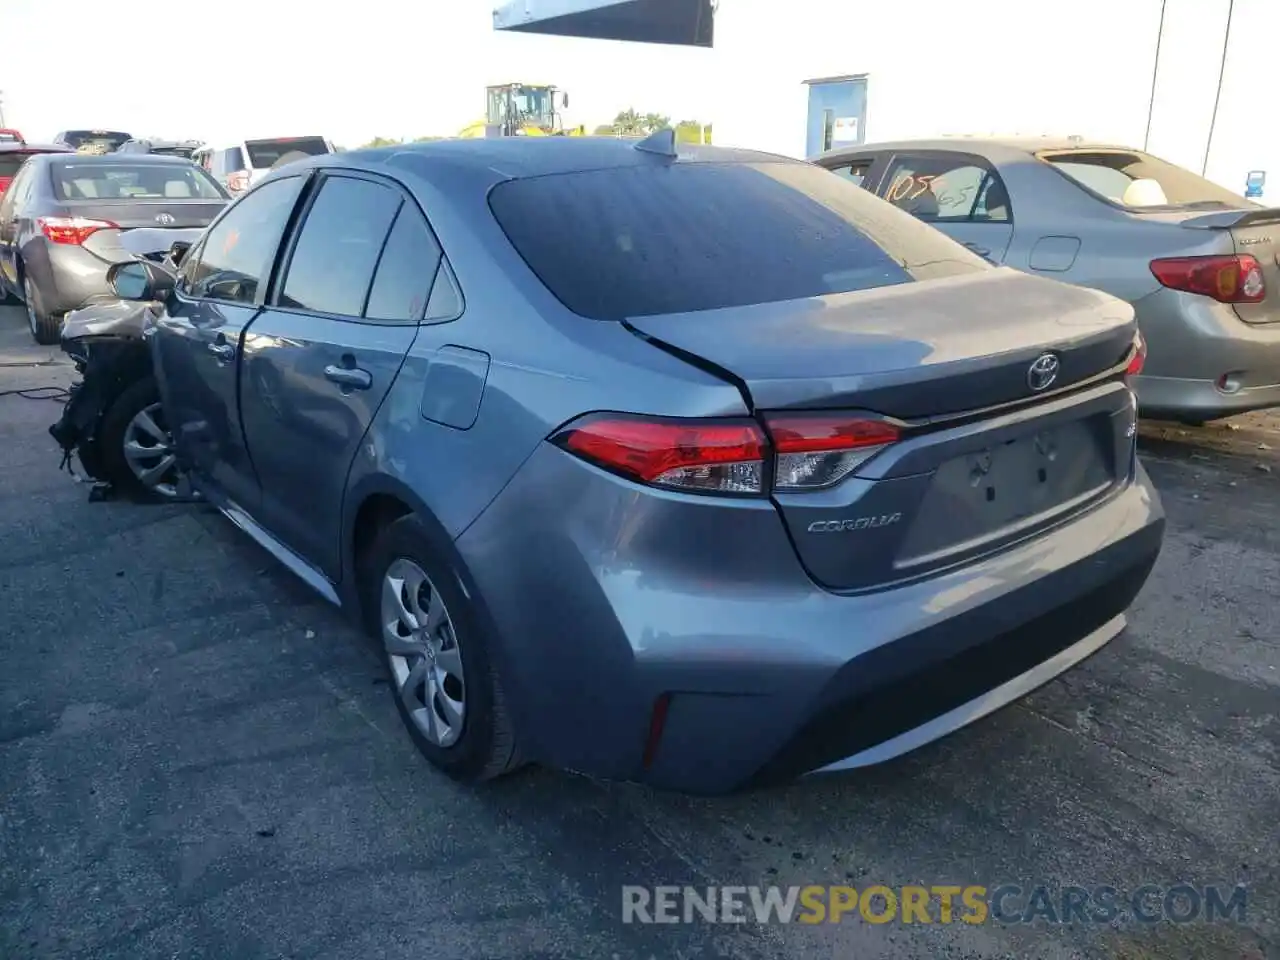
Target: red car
(9, 135)
(14, 153)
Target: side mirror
(178, 252)
(139, 280)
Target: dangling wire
(1222, 69)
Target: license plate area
(1009, 488)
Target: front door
(837, 115)
(960, 194)
(321, 357)
(199, 340)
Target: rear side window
(1136, 180)
(86, 180)
(264, 153)
(947, 190)
(405, 271)
(674, 238)
(333, 261)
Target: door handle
(352, 377)
(223, 351)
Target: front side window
(855, 171)
(946, 189)
(680, 238)
(236, 254)
(332, 264)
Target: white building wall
(1058, 67)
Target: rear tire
(45, 330)
(133, 439)
(443, 678)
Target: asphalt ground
(199, 759)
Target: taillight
(4, 184)
(72, 230)
(1138, 359)
(704, 456)
(807, 451)
(1235, 278)
(819, 450)
(238, 181)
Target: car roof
(996, 149)
(520, 157)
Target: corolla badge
(1043, 372)
(164, 219)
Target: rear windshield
(263, 153)
(184, 152)
(99, 141)
(676, 238)
(81, 180)
(1138, 180)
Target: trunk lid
(983, 458)
(159, 215)
(1254, 232)
(912, 351)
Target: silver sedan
(1198, 262)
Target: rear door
(960, 194)
(200, 337)
(8, 228)
(321, 357)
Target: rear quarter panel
(1115, 248)
(544, 367)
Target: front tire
(440, 668)
(136, 448)
(45, 330)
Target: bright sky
(250, 68)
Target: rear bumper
(769, 677)
(1192, 341)
(66, 276)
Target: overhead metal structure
(685, 23)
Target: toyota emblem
(164, 219)
(1043, 372)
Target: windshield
(80, 180)
(264, 153)
(1138, 180)
(531, 105)
(675, 238)
(97, 141)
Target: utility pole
(1222, 69)
(1155, 73)
(2, 123)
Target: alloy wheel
(148, 450)
(422, 648)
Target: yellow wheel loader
(523, 110)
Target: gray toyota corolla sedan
(1200, 264)
(63, 215)
(702, 468)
